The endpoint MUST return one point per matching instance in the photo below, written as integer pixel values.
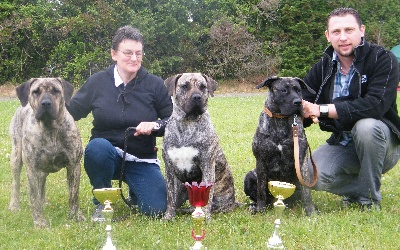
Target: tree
(224, 38)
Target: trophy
(281, 191)
(198, 198)
(107, 196)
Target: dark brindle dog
(191, 150)
(45, 139)
(273, 144)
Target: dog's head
(190, 91)
(46, 96)
(285, 94)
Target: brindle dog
(191, 150)
(273, 144)
(45, 139)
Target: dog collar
(270, 114)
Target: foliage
(333, 228)
(222, 38)
(233, 52)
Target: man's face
(344, 34)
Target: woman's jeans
(355, 170)
(145, 180)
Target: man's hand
(310, 110)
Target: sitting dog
(191, 150)
(45, 139)
(273, 144)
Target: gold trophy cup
(107, 196)
(281, 191)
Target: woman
(125, 95)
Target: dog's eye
(35, 91)
(280, 90)
(55, 91)
(185, 86)
(202, 87)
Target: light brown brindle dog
(45, 139)
(191, 150)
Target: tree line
(227, 39)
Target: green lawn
(235, 119)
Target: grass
(235, 119)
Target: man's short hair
(344, 12)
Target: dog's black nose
(297, 103)
(196, 97)
(46, 103)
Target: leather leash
(295, 130)
(296, 150)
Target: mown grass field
(235, 118)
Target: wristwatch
(323, 110)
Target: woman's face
(128, 56)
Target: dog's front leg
(173, 190)
(16, 166)
(261, 186)
(306, 197)
(37, 192)
(73, 177)
(208, 173)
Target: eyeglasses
(129, 54)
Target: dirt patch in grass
(246, 85)
(7, 91)
(237, 86)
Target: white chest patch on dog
(280, 147)
(183, 157)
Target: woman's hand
(145, 128)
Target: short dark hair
(343, 12)
(126, 32)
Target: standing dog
(273, 144)
(191, 150)
(45, 139)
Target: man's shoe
(370, 206)
(363, 205)
(347, 201)
(97, 216)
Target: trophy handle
(197, 237)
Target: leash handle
(295, 130)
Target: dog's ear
(267, 82)
(68, 89)
(23, 91)
(304, 85)
(211, 84)
(170, 83)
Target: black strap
(122, 175)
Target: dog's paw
(40, 223)
(254, 208)
(310, 210)
(169, 215)
(13, 207)
(77, 216)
